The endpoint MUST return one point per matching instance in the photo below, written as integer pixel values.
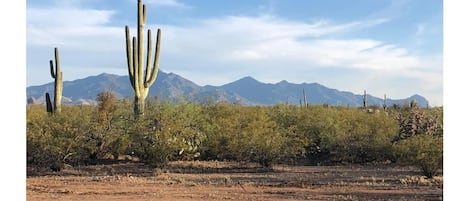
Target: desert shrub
(40, 149)
(361, 137)
(147, 144)
(183, 124)
(263, 140)
(251, 134)
(291, 123)
(346, 135)
(222, 133)
(112, 119)
(420, 140)
(168, 132)
(423, 151)
(75, 135)
(58, 138)
(106, 106)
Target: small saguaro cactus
(385, 105)
(365, 101)
(304, 98)
(140, 80)
(57, 75)
(413, 104)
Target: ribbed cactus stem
(141, 79)
(56, 74)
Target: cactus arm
(49, 108)
(136, 69)
(52, 69)
(156, 61)
(57, 61)
(149, 51)
(144, 14)
(130, 64)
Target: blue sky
(392, 47)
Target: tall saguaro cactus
(57, 75)
(140, 80)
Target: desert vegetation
(185, 145)
(266, 135)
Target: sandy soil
(232, 181)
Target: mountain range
(246, 91)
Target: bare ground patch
(232, 181)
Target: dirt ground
(232, 181)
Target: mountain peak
(244, 82)
(283, 82)
(247, 79)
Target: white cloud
(84, 29)
(272, 40)
(273, 49)
(67, 17)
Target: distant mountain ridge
(245, 91)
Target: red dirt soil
(232, 181)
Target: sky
(392, 47)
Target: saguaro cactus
(365, 101)
(385, 103)
(140, 80)
(304, 98)
(413, 104)
(57, 75)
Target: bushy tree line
(223, 131)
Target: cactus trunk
(139, 79)
(58, 86)
(139, 106)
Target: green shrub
(59, 138)
(423, 151)
(248, 134)
(148, 144)
(420, 140)
(345, 135)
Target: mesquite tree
(139, 79)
